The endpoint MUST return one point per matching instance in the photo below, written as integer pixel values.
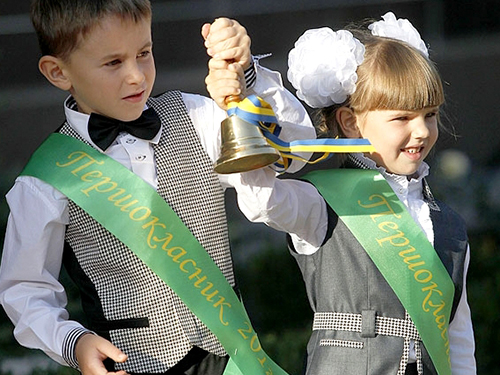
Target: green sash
(133, 211)
(365, 202)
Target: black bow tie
(103, 130)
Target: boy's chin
(132, 116)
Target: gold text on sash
(157, 237)
(393, 239)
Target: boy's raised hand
(228, 45)
(226, 39)
(91, 350)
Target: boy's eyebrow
(149, 43)
(113, 56)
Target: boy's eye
(113, 62)
(144, 54)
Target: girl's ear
(348, 122)
(53, 69)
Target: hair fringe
(393, 76)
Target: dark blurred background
(464, 38)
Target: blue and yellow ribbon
(258, 112)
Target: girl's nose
(420, 127)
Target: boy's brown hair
(60, 25)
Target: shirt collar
(363, 162)
(416, 186)
(79, 121)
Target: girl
(384, 268)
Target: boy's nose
(134, 74)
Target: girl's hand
(91, 350)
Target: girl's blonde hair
(393, 75)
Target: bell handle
(232, 99)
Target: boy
(101, 53)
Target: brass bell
(243, 146)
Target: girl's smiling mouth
(413, 153)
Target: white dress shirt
(297, 208)
(30, 291)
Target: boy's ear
(53, 69)
(348, 122)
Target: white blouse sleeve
(461, 334)
(290, 113)
(287, 205)
(30, 291)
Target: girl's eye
(431, 114)
(402, 118)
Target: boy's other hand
(91, 350)
(224, 79)
(226, 39)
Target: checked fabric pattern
(337, 321)
(128, 292)
(194, 192)
(353, 322)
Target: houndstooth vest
(122, 298)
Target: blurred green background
(464, 37)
